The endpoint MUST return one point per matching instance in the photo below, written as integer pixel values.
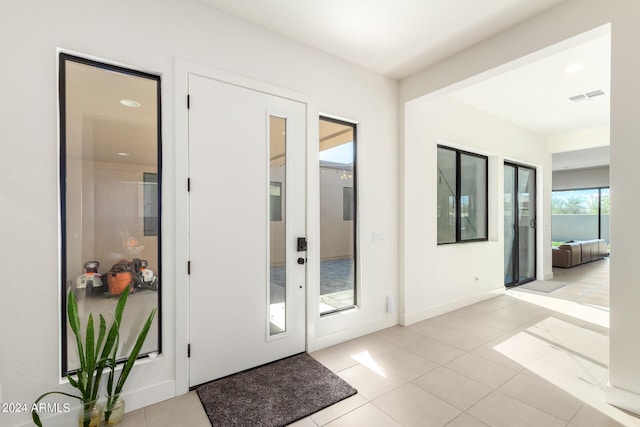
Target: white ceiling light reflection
(365, 359)
(130, 103)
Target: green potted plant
(93, 357)
(114, 411)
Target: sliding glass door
(519, 224)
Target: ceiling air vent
(594, 93)
(586, 96)
(578, 98)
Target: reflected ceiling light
(123, 154)
(130, 103)
(573, 69)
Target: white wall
(569, 19)
(579, 140)
(581, 178)
(440, 278)
(152, 35)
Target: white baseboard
(419, 316)
(623, 399)
(356, 331)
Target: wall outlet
(377, 236)
(391, 306)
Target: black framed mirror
(110, 198)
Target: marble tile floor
(524, 358)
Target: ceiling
(397, 38)
(536, 96)
(391, 37)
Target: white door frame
(181, 156)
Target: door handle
(301, 261)
(533, 223)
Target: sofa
(572, 253)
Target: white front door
(247, 210)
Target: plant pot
(90, 414)
(114, 411)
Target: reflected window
(338, 207)
(110, 179)
(275, 201)
(347, 204)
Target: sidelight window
(338, 215)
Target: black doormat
(273, 395)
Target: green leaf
(100, 363)
(101, 333)
(74, 322)
(134, 353)
(36, 418)
(90, 357)
(34, 412)
(122, 301)
(114, 330)
(73, 382)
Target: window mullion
(457, 198)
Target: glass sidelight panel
(526, 224)
(473, 197)
(509, 223)
(519, 224)
(110, 186)
(447, 185)
(338, 215)
(277, 227)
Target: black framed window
(462, 196)
(110, 189)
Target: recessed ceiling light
(123, 154)
(130, 103)
(573, 69)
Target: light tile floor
(524, 358)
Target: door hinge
(188, 184)
(188, 267)
(188, 350)
(188, 101)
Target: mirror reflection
(110, 189)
